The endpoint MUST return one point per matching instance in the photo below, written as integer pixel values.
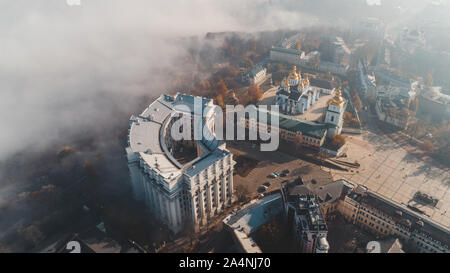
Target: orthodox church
(295, 95)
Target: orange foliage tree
(254, 93)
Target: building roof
(146, 139)
(321, 83)
(308, 128)
(287, 50)
(325, 193)
(418, 222)
(254, 70)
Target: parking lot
(270, 162)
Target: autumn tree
(427, 147)
(254, 93)
(338, 140)
(221, 89)
(298, 141)
(357, 102)
(242, 193)
(219, 101)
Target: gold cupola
(294, 75)
(306, 81)
(337, 99)
(285, 83)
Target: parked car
(261, 189)
(267, 184)
(276, 174)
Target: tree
(242, 193)
(254, 93)
(338, 141)
(357, 102)
(219, 101)
(298, 141)
(221, 89)
(427, 147)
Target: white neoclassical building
(186, 182)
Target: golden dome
(337, 100)
(294, 75)
(306, 81)
(285, 83)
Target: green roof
(255, 70)
(308, 128)
(287, 50)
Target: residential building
(255, 75)
(305, 219)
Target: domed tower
(335, 113)
(337, 101)
(294, 77)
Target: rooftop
(146, 139)
(293, 124)
(287, 50)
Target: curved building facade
(182, 182)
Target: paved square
(389, 170)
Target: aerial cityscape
(263, 126)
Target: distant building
(286, 55)
(334, 49)
(322, 85)
(391, 77)
(392, 104)
(255, 75)
(305, 218)
(183, 183)
(435, 103)
(334, 68)
(411, 39)
(367, 82)
(370, 26)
